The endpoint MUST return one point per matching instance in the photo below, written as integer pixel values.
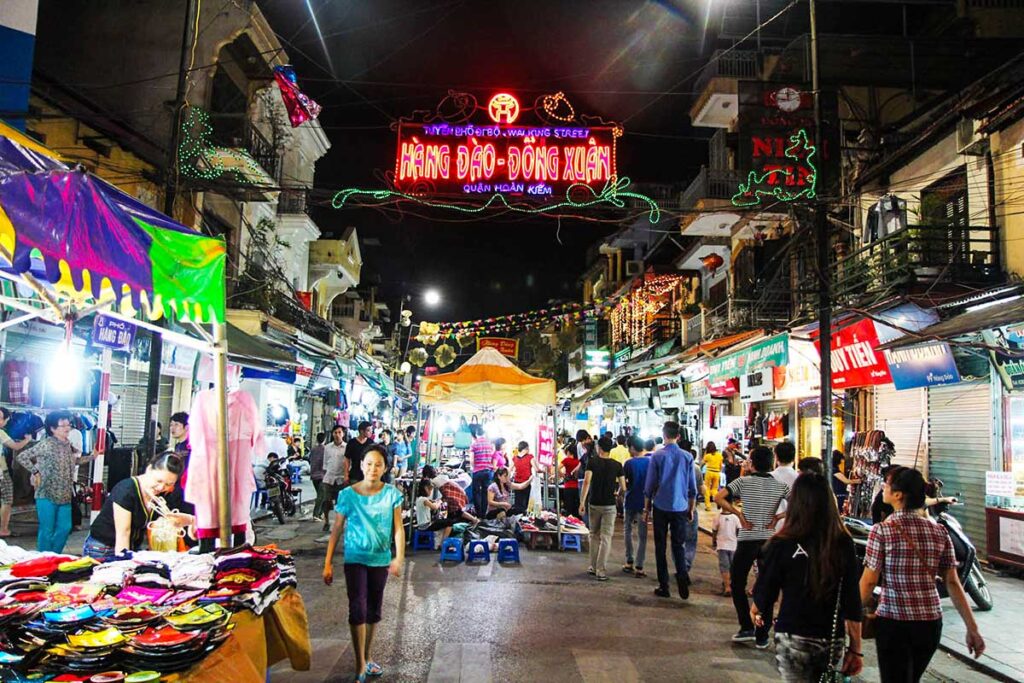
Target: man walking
(670, 492)
(762, 495)
(336, 470)
(316, 474)
(635, 471)
(354, 452)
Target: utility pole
(822, 257)
(156, 346)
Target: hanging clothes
(245, 440)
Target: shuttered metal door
(129, 418)
(902, 415)
(960, 429)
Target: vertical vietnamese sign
(546, 445)
(113, 334)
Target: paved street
(544, 620)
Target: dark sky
(384, 59)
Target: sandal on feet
(373, 669)
(628, 568)
(639, 573)
(590, 570)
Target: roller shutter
(902, 415)
(960, 429)
(129, 417)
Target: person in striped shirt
(482, 451)
(762, 495)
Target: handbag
(835, 644)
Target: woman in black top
(811, 560)
(131, 506)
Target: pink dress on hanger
(245, 436)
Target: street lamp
(432, 297)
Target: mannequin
(245, 436)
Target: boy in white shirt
(723, 538)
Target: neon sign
(788, 182)
(540, 160)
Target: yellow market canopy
(488, 379)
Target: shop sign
(597, 361)
(304, 372)
(757, 386)
(778, 155)
(696, 391)
(505, 346)
(505, 155)
(773, 351)
(621, 357)
(922, 365)
(724, 388)
(546, 445)
(590, 333)
(1009, 364)
(111, 333)
(178, 361)
(1000, 484)
(671, 391)
(855, 359)
(575, 369)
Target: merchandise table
(256, 644)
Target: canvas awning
(971, 322)
(487, 379)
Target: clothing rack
(871, 452)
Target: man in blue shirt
(635, 471)
(670, 491)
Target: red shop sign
(724, 388)
(855, 360)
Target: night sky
(624, 61)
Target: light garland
(550, 104)
(199, 158)
(613, 193)
(748, 194)
(630, 319)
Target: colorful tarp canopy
(487, 379)
(92, 242)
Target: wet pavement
(545, 620)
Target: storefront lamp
(405, 368)
(65, 371)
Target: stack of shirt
(246, 578)
(42, 566)
(113, 573)
(194, 572)
(74, 570)
(151, 575)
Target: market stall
(491, 387)
(74, 246)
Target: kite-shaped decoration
(419, 357)
(299, 105)
(444, 355)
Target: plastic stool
(422, 540)
(294, 473)
(478, 550)
(572, 542)
(508, 550)
(451, 550)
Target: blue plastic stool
(451, 550)
(478, 551)
(508, 550)
(572, 542)
(422, 540)
(295, 475)
(259, 497)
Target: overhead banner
(773, 351)
(505, 346)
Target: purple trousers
(365, 586)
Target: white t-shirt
(727, 527)
(4, 440)
(422, 512)
(786, 474)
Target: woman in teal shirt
(369, 511)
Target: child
(723, 538)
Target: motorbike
(968, 568)
(280, 495)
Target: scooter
(968, 568)
(280, 495)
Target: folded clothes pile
(86, 651)
(151, 574)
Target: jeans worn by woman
(96, 550)
(54, 525)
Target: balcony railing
(293, 201)
(710, 183)
(261, 150)
(730, 64)
(918, 258)
(255, 290)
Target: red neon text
(533, 163)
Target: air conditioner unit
(968, 140)
(634, 267)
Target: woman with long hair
(712, 463)
(499, 493)
(905, 553)
(812, 562)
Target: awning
(985, 318)
(770, 352)
(709, 347)
(245, 349)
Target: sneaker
(761, 643)
(663, 593)
(602, 577)
(683, 584)
(743, 636)
(317, 518)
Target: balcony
(917, 260)
(293, 201)
(738, 315)
(710, 184)
(257, 289)
(246, 161)
(717, 105)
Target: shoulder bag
(837, 640)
